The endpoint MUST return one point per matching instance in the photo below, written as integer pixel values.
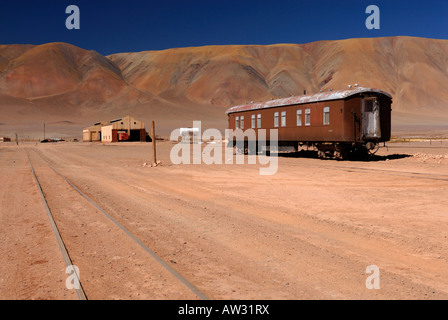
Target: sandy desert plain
(307, 232)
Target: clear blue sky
(128, 26)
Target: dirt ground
(307, 232)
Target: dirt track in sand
(307, 232)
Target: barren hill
(413, 70)
(63, 84)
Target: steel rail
(65, 255)
(169, 268)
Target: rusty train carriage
(335, 122)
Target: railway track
(68, 259)
(65, 255)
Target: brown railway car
(336, 123)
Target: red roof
(321, 96)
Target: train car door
(371, 125)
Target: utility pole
(44, 130)
(153, 138)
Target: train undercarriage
(343, 151)
(325, 150)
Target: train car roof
(321, 96)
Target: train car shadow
(352, 157)
(299, 154)
(374, 157)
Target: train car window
(283, 118)
(326, 115)
(259, 120)
(242, 122)
(299, 117)
(307, 117)
(253, 121)
(368, 105)
(276, 119)
(237, 122)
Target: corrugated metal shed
(321, 96)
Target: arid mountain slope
(413, 70)
(41, 72)
(60, 82)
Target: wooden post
(153, 138)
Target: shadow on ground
(352, 157)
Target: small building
(93, 133)
(5, 139)
(122, 129)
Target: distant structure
(190, 134)
(5, 139)
(123, 129)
